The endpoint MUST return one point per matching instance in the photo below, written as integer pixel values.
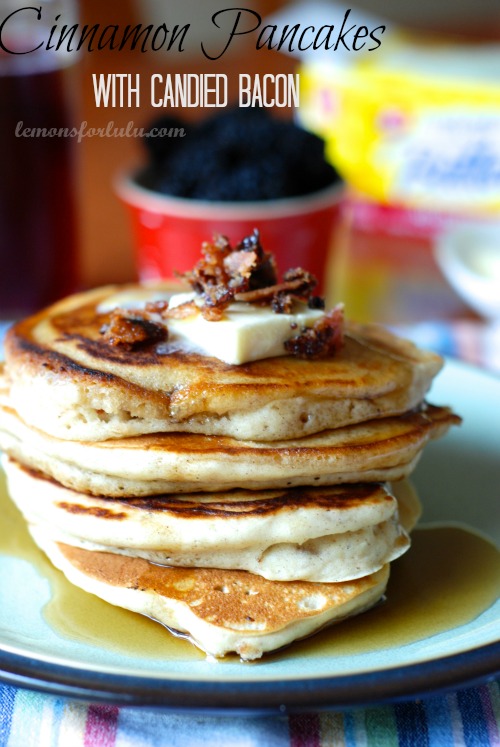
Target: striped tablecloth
(469, 716)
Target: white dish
(469, 257)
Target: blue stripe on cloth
(471, 710)
(411, 724)
(349, 730)
(7, 700)
(439, 724)
(58, 710)
(359, 728)
(147, 729)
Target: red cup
(169, 231)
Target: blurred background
(413, 129)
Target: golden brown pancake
(316, 534)
(376, 451)
(65, 379)
(220, 611)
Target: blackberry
(159, 148)
(240, 155)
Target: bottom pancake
(220, 611)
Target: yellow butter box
(415, 123)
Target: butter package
(413, 127)
(414, 124)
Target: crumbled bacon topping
(298, 287)
(217, 299)
(322, 340)
(130, 330)
(225, 272)
(245, 273)
(302, 281)
(258, 273)
(157, 307)
(188, 308)
(282, 303)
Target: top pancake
(67, 381)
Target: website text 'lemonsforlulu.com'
(83, 130)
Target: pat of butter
(245, 333)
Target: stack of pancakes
(244, 506)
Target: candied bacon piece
(303, 281)
(264, 272)
(246, 266)
(282, 303)
(212, 313)
(296, 283)
(188, 308)
(240, 265)
(159, 308)
(322, 340)
(251, 243)
(217, 299)
(264, 295)
(225, 271)
(209, 270)
(131, 329)
(295, 288)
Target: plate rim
(423, 679)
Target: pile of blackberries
(241, 155)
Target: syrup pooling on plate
(426, 594)
(448, 579)
(82, 617)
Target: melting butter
(245, 333)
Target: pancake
(66, 380)
(220, 611)
(320, 534)
(331, 559)
(377, 451)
